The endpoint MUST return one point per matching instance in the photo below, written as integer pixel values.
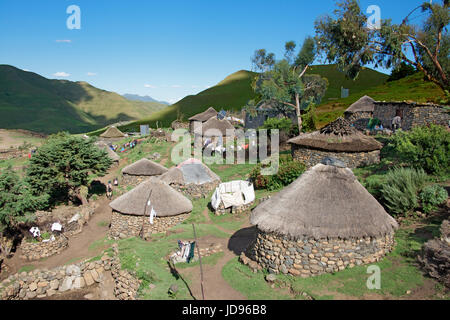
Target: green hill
(235, 91)
(30, 101)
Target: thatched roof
(338, 136)
(325, 202)
(220, 126)
(365, 104)
(144, 167)
(204, 116)
(111, 154)
(190, 172)
(165, 200)
(112, 132)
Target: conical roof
(214, 126)
(325, 202)
(364, 104)
(205, 115)
(111, 154)
(144, 167)
(165, 200)
(190, 171)
(112, 132)
(338, 136)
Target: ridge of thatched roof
(364, 104)
(205, 115)
(111, 154)
(112, 132)
(214, 125)
(325, 202)
(144, 167)
(166, 201)
(189, 173)
(338, 136)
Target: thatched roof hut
(144, 167)
(111, 154)
(204, 116)
(338, 136)
(215, 126)
(112, 132)
(325, 202)
(165, 200)
(364, 104)
(190, 171)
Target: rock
(88, 278)
(33, 286)
(283, 269)
(51, 292)
(31, 295)
(54, 284)
(95, 275)
(79, 283)
(89, 296)
(66, 284)
(271, 278)
(294, 272)
(73, 270)
(42, 284)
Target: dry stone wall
(38, 250)
(307, 257)
(196, 191)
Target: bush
(424, 147)
(400, 190)
(288, 172)
(282, 124)
(431, 197)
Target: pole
(145, 210)
(200, 261)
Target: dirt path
(78, 244)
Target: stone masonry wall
(196, 191)
(127, 226)
(38, 250)
(126, 284)
(308, 257)
(311, 157)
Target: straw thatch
(113, 132)
(144, 167)
(204, 116)
(181, 174)
(220, 126)
(338, 136)
(165, 200)
(325, 202)
(365, 104)
(111, 154)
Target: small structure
(111, 154)
(323, 222)
(193, 178)
(360, 112)
(144, 130)
(233, 197)
(201, 118)
(215, 126)
(139, 171)
(113, 133)
(338, 140)
(152, 196)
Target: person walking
(109, 190)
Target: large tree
(347, 39)
(64, 165)
(285, 83)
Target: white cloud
(61, 74)
(91, 74)
(176, 86)
(150, 86)
(65, 41)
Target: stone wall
(233, 210)
(127, 226)
(130, 180)
(306, 257)
(196, 191)
(38, 250)
(413, 115)
(359, 119)
(311, 157)
(126, 284)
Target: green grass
(100, 243)
(26, 269)
(209, 260)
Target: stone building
(201, 118)
(192, 178)
(112, 134)
(128, 211)
(141, 170)
(360, 112)
(338, 140)
(323, 222)
(111, 154)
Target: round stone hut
(323, 222)
(170, 208)
(360, 112)
(193, 178)
(141, 170)
(112, 134)
(337, 140)
(111, 154)
(201, 118)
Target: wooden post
(200, 261)
(145, 210)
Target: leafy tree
(17, 205)
(65, 164)
(402, 71)
(349, 42)
(285, 83)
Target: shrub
(288, 172)
(282, 124)
(400, 190)
(431, 197)
(424, 147)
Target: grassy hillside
(235, 91)
(413, 88)
(30, 101)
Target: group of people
(124, 147)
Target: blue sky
(165, 49)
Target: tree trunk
(298, 111)
(80, 197)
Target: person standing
(396, 123)
(109, 190)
